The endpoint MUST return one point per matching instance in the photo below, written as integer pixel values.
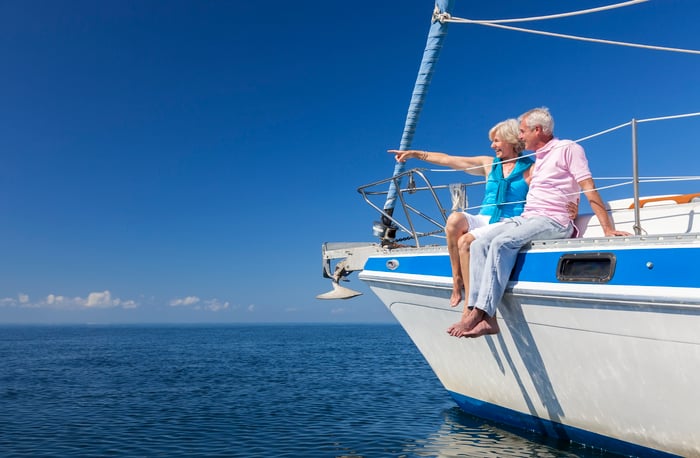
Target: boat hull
(613, 364)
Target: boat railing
(636, 179)
(422, 203)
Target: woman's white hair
(509, 132)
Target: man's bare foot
(489, 325)
(467, 322)
(456, 297)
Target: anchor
(352, 257)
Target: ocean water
(235, 391)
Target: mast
(436, 35)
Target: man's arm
(598, 207)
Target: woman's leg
(457, 225)
(464, 245)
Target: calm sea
(235, 391)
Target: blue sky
(183, 161)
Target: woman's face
(503, 149)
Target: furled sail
(436, 35)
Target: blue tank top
(500, 190)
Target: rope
(574, 37)
(603, 132)
(556, 16)
(654, 179)
(664, 118)
(660, 118)
(444, 17)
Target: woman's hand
(572, 209)
(402, 156)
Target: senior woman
(508, 179)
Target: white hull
(612, 365)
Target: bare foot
(489, 325)
(466, 323)
(456, 297)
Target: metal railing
(434, 216)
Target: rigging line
(663, 118)
(610, 186)
(574, 37)
(641, 180)
(668, 178)
(660, 118)
(603, 132)
(555, 16)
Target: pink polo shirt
(559, 166)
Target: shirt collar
(541, 152)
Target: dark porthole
(586, 267)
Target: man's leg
(499, 264)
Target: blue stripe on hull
(632, 266)
(639, 267)
(438, 264)
(551, 429)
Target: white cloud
(130, 304)
(8, 302)
(99, 299)
(210, 305)
(185, 301)
(251, 308)
(52, 299)
(215, 305)
(105, 299)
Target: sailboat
(599, 339)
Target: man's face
(529, 136)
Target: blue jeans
(493, 256)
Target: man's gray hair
(539, 117)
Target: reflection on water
(464, 435)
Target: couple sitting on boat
(549, 190)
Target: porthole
(586, 267)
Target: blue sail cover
(433, 46)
